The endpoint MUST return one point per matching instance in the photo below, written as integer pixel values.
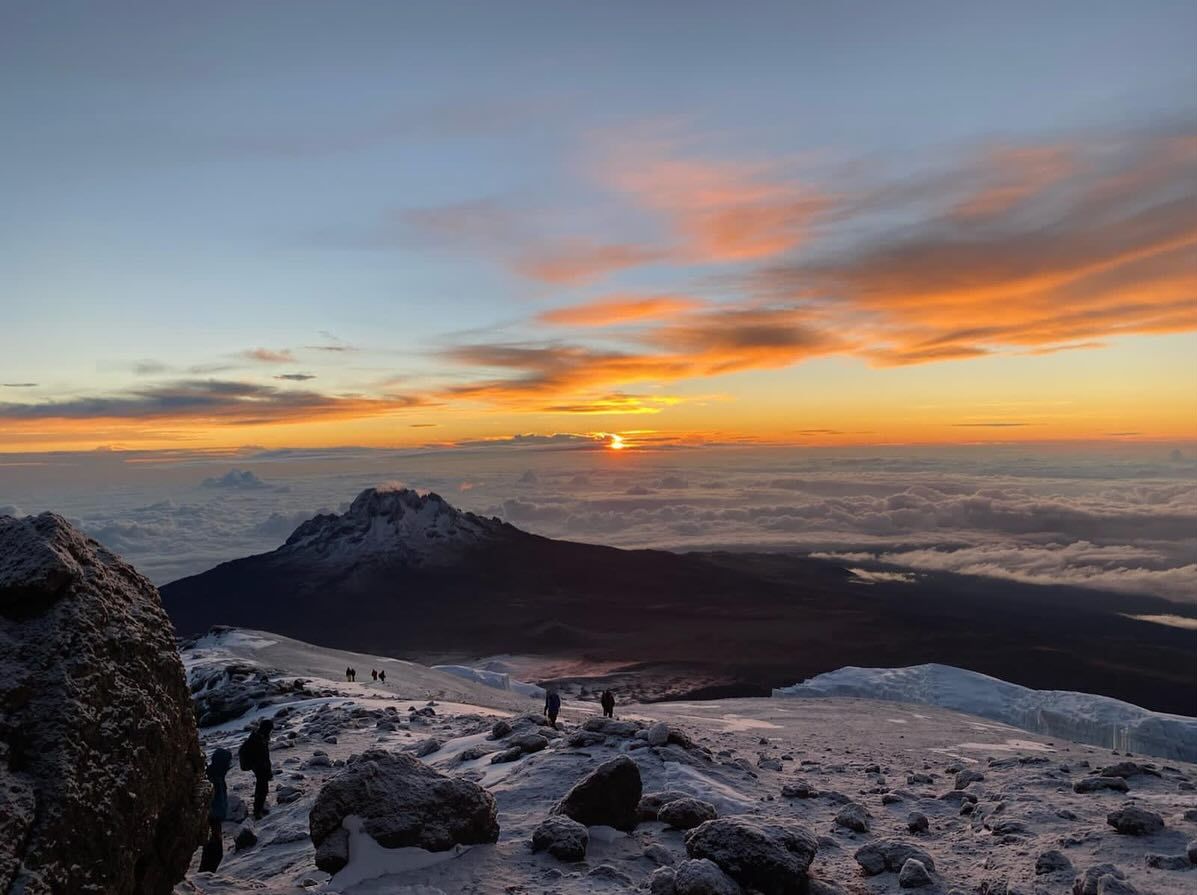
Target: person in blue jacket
(218, 811)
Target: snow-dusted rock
(607, 795)
(562, 837)
(767, 855)
(658, 734)
(95, 722)
(611, 727)
(402, 802)
(685, 814)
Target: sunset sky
(314, 224)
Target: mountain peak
(396, 523)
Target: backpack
(248, 753)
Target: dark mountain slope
(406, 575)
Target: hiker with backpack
(608, 703)
(218, 811)
(382, 677)
(255, 756)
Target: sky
(652, 224)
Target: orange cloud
(581, 261)
(720, 212)
(268, 356)
(614, 310)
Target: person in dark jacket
(374, 673)
(608, 703)
(552, 705)
(382, 677)
(256, 758)
(218, 811)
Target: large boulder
(1131, 820)
(607, 795)
(401, 802)
(101, 776)
(770, 856)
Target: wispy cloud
(269, 356)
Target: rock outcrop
(101, 774)
(402, 802)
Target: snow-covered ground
(747, 750)
(1083, 717)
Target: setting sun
(616, 443)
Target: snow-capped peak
(396, 523)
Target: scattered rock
(965, 777)
(1167, 862)
(1097, 784)
(855, 817)
(917, 823)
(610, 794)
(1131, 820)
(245, 838)
(659, 854)
(772, 857)
(611, 727)
(1053, 861)
(96, 722)
(662, 881)
(402, 802)
(287, 794)
(877, 857)
(428, 746)
(561, 837)
(799, 789)
(703, 877)
(500, 729)
(1086, 883)
(914, 874)
(686, 814)
(651, 802)
(1126, 769)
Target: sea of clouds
(1121, 518)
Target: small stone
(855, 817)
(1097, 784)
(917, 823)
(245, 838)
(686, 814)
(965, 777)
(703, 877)
(914, 874)
(561, 837)
(658, 734)
(1167, 862)
(1052, 862)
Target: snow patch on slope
(1082, 717)
(500, 680)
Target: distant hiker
(608, 703)
(382, 677)
(218, 811)
(552, 705)
(374, 673)
(353, 675)
(349, 674)
(255, 756)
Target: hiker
(382, 677)
(349, 674)
(608, 703)
(255, 756)
(353, 675)
(552, 705)
(374, 673)
(218, 811)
